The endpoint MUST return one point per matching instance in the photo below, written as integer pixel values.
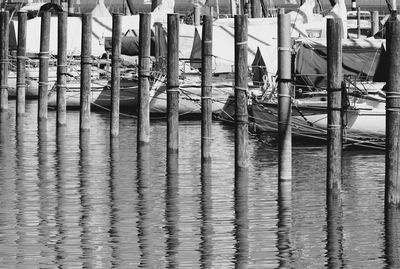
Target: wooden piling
(115, 74)
(156, 42)
(4, 41)
(392, 175)
(358, 22)
(144, 74)
(173, 83)
(206, 88)
(374, 22)
(335, 77)
(62, 69)
(256, 9)
(21, 62)
(86, 65)
(196, 19)
(284, 99)
(44, 65)
(241, 113)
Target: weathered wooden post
(115, 74)
(44, 56)
(335, 77)
(21, 61)
(196, 18)
(241, 113)
(374, 22)
(392, 178)
(62, 69)
(144, 83)
(173, 84)
(358, 22)
(284, 100)
(156, 42)
(86, 65)
(4, 30)
(334, 159)
(206, 89)
(256, 9)
(353, 5)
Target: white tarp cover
(101, 28)
(101, 10)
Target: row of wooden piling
(335, 79)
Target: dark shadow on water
(241, 224)
(206, 229)
(172, 211)
(392, 237)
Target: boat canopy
(363, 59)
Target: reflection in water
(144, 205)
(284, 223)
(241, 218)
(84, 184)
(95, 200)
(65, 204)
(334, 246)
(69, 208)
(8, 218)
(172, 210)
(392, 236)
(206, 230)
(114, 176)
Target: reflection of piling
(206, 88)
(62, 69)
(241, 224)
(172, 210)
(115, 74)
(206, 229)
(334, 62)
(21, 61)
(44, 65)
(392, 231)
(284, 101)
(144, 74)
(374, 22)
(284, 242)
(86, 64)
(144, 207)
(334, 243)
(173, 84)
(4, 30)
(241, 73)
(392, 180)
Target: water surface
(74, 201)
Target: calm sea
(71, 202)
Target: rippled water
(88, 202)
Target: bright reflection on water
(74, 201)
